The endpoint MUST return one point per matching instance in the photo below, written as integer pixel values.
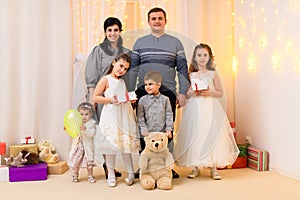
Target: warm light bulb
(278, 37)
(234, 64)
(251, 62)
(275, 59)
(263, 42)
(241, 42)
(297, 60)
(288, 46)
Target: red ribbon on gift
(196, 87)
(127, 96)
(27, 138)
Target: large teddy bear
(47, 153)
(156, 162)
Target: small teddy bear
(47, 153)
(16, 161)
(156, 162)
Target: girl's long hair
(210, 64)
(123, 56)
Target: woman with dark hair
(100, 59)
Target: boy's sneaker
(194, 173)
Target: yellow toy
(47, 153)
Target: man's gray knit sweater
(164, 54)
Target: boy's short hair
(153, 75)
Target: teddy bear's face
(156, 141)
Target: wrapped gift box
(58, 168)
(4, 174)
(35, 172)
(258, 159)
(15, 149)
(28, 140)
(128, 96)
(199, 84)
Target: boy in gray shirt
(154, 109)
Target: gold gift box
(15, 149)
(58, 168)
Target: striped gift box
(258, 159)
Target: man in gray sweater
(161, 52)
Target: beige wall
(268, 79)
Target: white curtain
(36, 70)
(45, 43)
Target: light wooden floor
(237, 184)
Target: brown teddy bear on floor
(156, 162)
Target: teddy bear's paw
(147, 182)
(164, 183)
(55, 158)
(148, 186)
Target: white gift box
(28, 140)
(128, 96)
(199, 84)
(4, 174)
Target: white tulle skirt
(204, 137)
(118, 134)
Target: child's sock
(127, 159)
(110, 162)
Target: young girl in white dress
(204, 137)
(118, 127)
(82, 149)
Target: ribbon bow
(27, 138)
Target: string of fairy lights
(89, 16)
(259, 27)
(263, 30)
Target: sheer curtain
(36, 70)
(44, 45)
